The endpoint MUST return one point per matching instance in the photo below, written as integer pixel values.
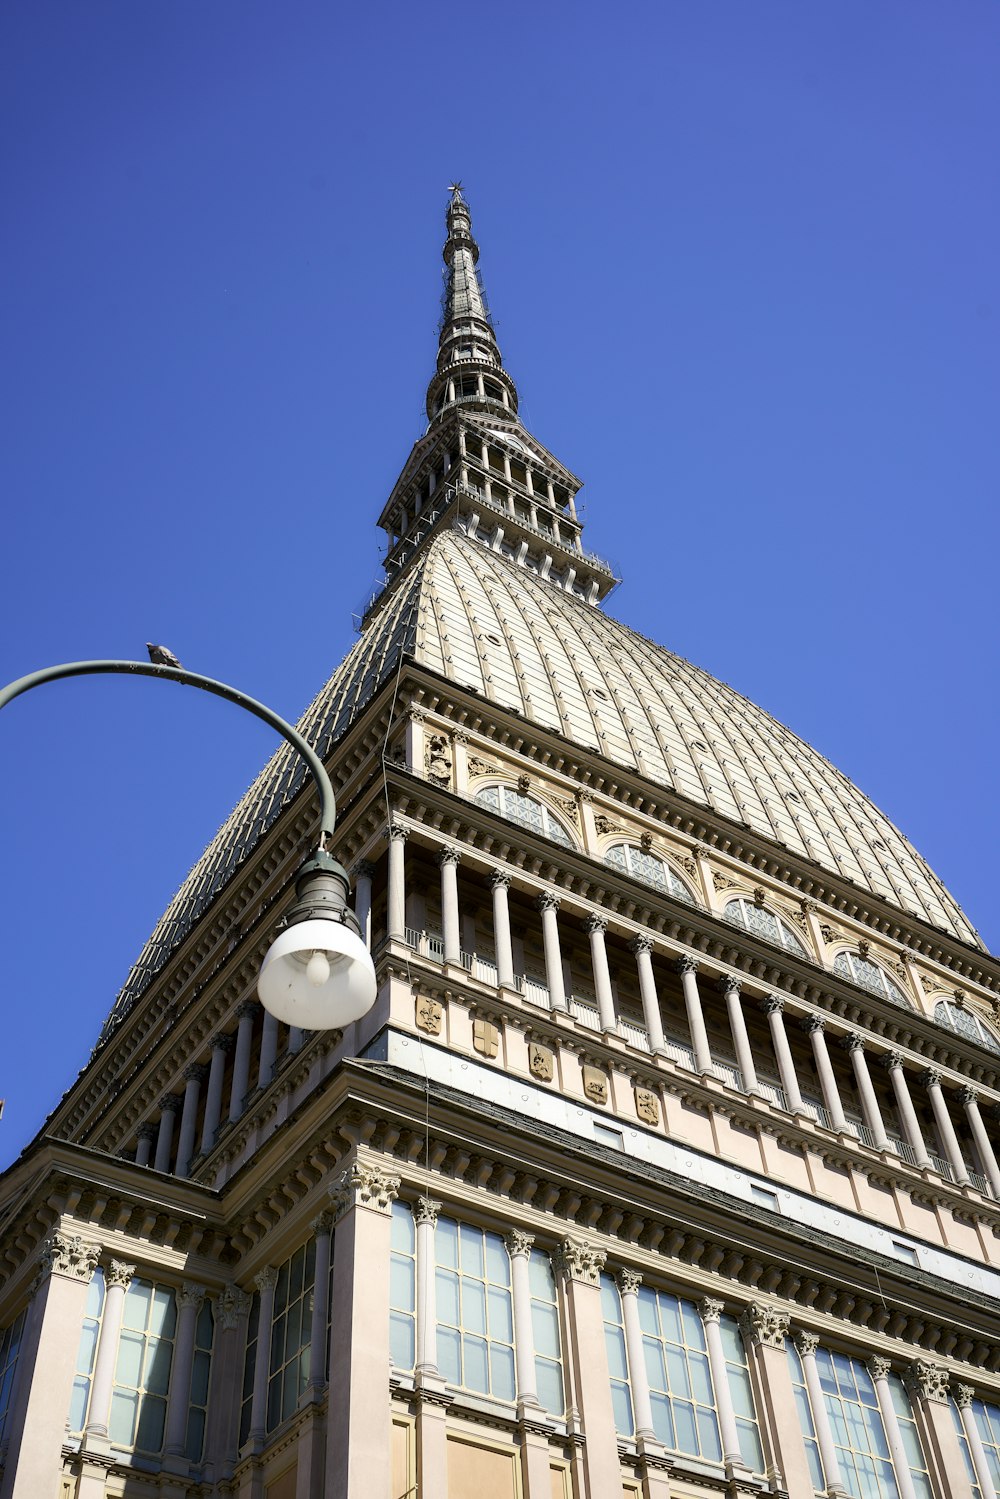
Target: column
(396, 905)
(146, 1134)
(232, 1314)
(730, 986)
(806, 1343)
(764, 1329)
(911, 1125)
(773, 1007)
(246, 1013)
(364, 873)
(117, 1278)
(450, 926)
(500, 884)
(855, 1046)
(519, 1248)
(221, 1045)
(36, 1420)
(949, 1139)
(268, 1050)
(964, 1396)
(265, 1282)
(296, 1036)
(879, 1368)
(596, 926)
(970, 1103)
(927, 1385)
(578, 1265)
(687, 967)
(189, 1300)
(194, 1075)
(359, 1432)
(642, 946)
(816, 1027)
(628, 1282)
(548, 904)
(711, 1311)
(322, 1228)
(170, 1105)
(425, 1217)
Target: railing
(980, 1183)
(679, 1051)
(729, 1074)
(941, 1166)
(586, 1014)
(905, 1151)
(534, 991)
(773, 1091)
(635, 1035)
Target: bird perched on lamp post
(161, 655)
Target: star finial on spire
(455, 187)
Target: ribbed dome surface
(499, 630)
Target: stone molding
(397, 832)
(852, 1041)
(363, 1185)
(322, 1224)
(580, 1261)
(69, 1255)
(931, 1077)
(812, 1023)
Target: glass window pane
(550, 1385)
(162, 1313)
(195, 1435)
(622, 1408)
(545, 1325)
(199, 1378)
(128, 1367)
(401, 1340)
(449, 1355)
(694, 1328)
(701, 1379)
(610, 1304)
(656, 1369)
(686, 1427)
(149, 1428)
(156, 1375)
(401, 1283)
(677, 1372)
(502, 1371)
(446, 1295)
(663, 1420)
(138, 1298)
(474, 1306)
(708, 1433)
(648, 1320)
(472, 1251)
(124, 1404)
(446, 1242)
(497, 1262)
(402, 1235)
(615, 1342)
(540, 1276)
(474, 1360)
(501, 1325)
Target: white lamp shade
(317, 993)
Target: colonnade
(778, 1010)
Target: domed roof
(493, 627)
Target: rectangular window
(475, 1328)
(858, 1428)
(201, 1368)
(291, 1332)
(87, 1352)
(402, 1288)
(545, 1328)
(10, 1343)
(142, 1369)
(678, 1372)
(987, 1419)
(806, 1424)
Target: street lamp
(317, 974)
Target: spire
(470, 369)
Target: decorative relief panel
(429, 1014)
(437, 760)
(595, 1084)
(541, 1062)
(647, 1105)
(485, 1037)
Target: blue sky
(742, 258)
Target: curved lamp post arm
(328, 804)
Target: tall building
(663, 1165)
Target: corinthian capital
(363, 1185)
(575, 1259)
(766, 1324)
(69, 1255)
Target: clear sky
(743, 260)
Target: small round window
(965, 1022)
(648, 868)
(508, 802)
(866, 975)
(761, 923)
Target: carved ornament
(437, 760)
(518, 1242)
(764, 1324)
(426, 1210)
(710, 1309)
(69, 1255)
(577, 1260)
(485, 1037)
(230, 1305)
(927, 1381)
(429, 1014)
(541, 1062)
(628, 1281)
(595, 1084)
(362, 1185)
(647, 1106)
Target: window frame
(797, 947)
(630, 847)
(890, 986)
(567, 840)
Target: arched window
(508, 802)
(869, 976)
(648, 868)
(761, 923)
(965, 1022)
